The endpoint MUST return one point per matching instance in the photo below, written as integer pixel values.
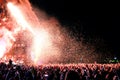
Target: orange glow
(38, 37)
(2, 1)
(41, 48)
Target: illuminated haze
(44, 39)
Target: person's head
(115, 78)
(72, 75)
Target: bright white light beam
(19, 17)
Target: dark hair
(72, 75)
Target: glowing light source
(42, 42)
(2, 47)
(19, 17)
(5, 41)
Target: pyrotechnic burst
(40, 38)
(27, 31)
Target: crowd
(81, 71)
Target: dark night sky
(72, 13)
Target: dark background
(84, 18)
